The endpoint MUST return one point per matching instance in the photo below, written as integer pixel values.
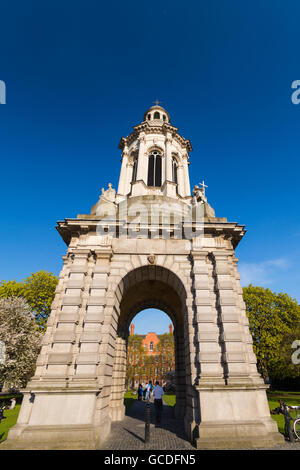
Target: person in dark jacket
(158, 403)
(140, 392)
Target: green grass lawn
(169, 399)
(11, 416)
(290, 398)
(129, 399)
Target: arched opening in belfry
(149, 287)
(154, 169)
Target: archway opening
(149, 287)
(151, 351)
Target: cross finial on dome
(156, 102)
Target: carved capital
(142, 138)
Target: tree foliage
(38, 290)
(135, 357)
(274, 325)
(166, 348)
(19, 332)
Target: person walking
(158, 403)
(148, 389)
(140, 392)
(12, 404)
(145, 391)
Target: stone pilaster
(60, 343)
(180, 175)
(208, 335)
(187, 185)
(168, 158)
(142, 160)
(244, 322)
(122, 188)
(88, 358)
(51, 323)
(234, 358)
(129, 175)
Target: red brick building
(150, 358)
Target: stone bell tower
(149, 244)
(155, 159)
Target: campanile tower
(152, 243)
(155, 159)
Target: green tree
(135, 359)
(166, 349)
(38, 290)
(273, 320)
(284, 367)
(149, 367)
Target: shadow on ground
(129, 434)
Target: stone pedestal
(235, 417)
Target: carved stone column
(129, 177)
(169, 186)
(187, 186)
(180, 170)
(142, 168)
(168, 159)
(122, 188)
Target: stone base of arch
(73, 437)
(60, 419)
(234, 417)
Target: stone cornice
(162, 129)
(218, 227)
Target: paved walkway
(129, 434)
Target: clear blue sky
(80, 74)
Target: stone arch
(157, 148)
(176, 157)
(144, 287)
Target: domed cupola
(156, 115)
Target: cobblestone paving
(129, 434)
